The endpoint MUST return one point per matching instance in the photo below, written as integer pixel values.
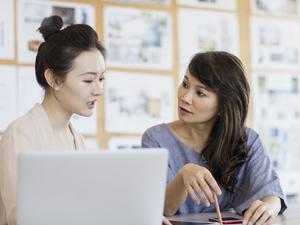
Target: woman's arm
(14, 141)
(176, 194)
(8, 177)
(257, 179)
(193, 180)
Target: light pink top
(31, 132)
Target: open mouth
(184, 110)
(91, 104)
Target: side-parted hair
(62, 46)
(226, 150)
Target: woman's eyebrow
(88, 73)
(203, 87)
(91, 73)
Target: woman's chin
(88, 113)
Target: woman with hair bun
(70, 68)
(211, 151)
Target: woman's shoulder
(156, 131)
(254, 143)
(16, 135)
(162, 129)
(250, 133)
(161, 134)
(23, 124)
(252, 137)
(18, 124)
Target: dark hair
(62, 46)
(226, 150)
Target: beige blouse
(31, 132)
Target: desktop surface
(290, 217)
(190, 223)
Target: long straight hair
(226, 150)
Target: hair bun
(50, 25)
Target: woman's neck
(192, 134)
(58, 117)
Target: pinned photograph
(8, 95)
(7, 34)
(207, 31)
(137, 97)
(149, 2)
(273, 44)
(27, 84)
(276, 7)
(217, 4)
(149, 48)
(31, 14)
(278, 127)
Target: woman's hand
(259, 213)
(166, 221)
(198, 181)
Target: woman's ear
(51, 79)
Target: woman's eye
(200, 93)
(88, 81)
(101, 79)
(184, 84)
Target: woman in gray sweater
(210, 148)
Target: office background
(149, 43)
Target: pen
(217, 208)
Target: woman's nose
(99, 89)
(187, 97)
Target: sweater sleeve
(259, 178)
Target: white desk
(290, 217)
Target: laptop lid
(91, 188)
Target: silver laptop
(91, 188)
